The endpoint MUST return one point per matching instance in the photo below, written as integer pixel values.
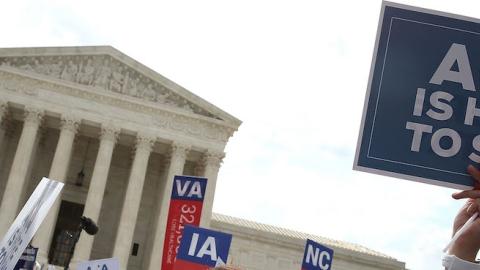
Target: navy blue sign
(421, 119)
(27, 260)
(188, 188)
(317, 257)
(202, 248)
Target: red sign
(185, 209)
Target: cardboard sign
(103, 264)
(27, 222)
(421, 116)
(317, 257)
(27, 260)
(202, 249)
(185, 208)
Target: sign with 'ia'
(202, 249)
(421, 119)
(317, 257)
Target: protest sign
(27, 260)
(27, 222)
(317, 256)
(186, 205)
(103, 264)
(421, 117)
(202, 249)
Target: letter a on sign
(202, 249)
(317, 257)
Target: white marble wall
(254, 250)
(249, 254)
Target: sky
(295, 72)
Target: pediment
(104, 68)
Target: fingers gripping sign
(473, 193)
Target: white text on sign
(441, 108)
(209, 247)
(194, 190)
(318, 258)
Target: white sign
(103, 264)
(27, 222)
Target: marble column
(133, 196)
(58, 172)
(177, 158)
(17, 177)
(211, 162)
(96, 190)
(3, 113)
(3, 129)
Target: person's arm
(463, 252)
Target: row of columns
(69, 125)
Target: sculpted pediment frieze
(104, 73)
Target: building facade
(257, 246)
(114, 131)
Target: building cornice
(28, 58)
(192, 125)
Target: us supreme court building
(115, 132)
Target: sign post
(421, 117)
(186, 206)
(202, 249)
(27, 222)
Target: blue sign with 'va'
(189, 188)
(204, 247)
(317, 256)
(421, 119)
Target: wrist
(463, 253)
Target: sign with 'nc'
(202, 249)
(421, 118)
(186, 205)
(317, 257)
